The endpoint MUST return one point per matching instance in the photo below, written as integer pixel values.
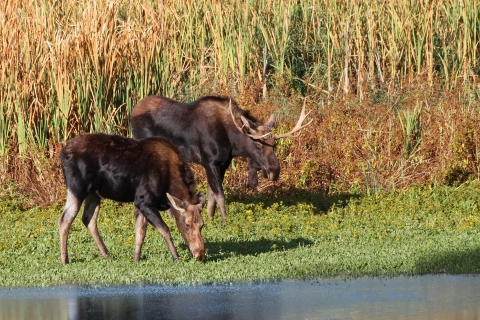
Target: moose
(211, 131)
(150, 173)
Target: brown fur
(150, 173)
(205, 133)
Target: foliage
(415, 231)
(391, 84)
(394, 95)
(465, 163)
(81, 66)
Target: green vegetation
(393, 85)
(387, 161)
(416, 231)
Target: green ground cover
(307, 235)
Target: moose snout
(273, 169)
(273, 172)
(197, 249)
(273, 176)
(198, 254)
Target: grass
(394, 91)
(414, 231)
(81, 66)
(392, 85)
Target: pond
(420, 297)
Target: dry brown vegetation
(416, 136)
(392, 84)
(422, 135)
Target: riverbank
(410, 232)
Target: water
(422, 297)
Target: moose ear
(200, 200)
(248, 126)
(271, 121)
(176, 203)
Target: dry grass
(393, 83)
(352, 145)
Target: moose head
(261, 155)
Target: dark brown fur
(150, 173)
(205, 133)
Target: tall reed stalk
(80, 66)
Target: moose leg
(153, 217)
(65, 221)
(89, 219)
(215, 175)
(212, 202)
(140, 232)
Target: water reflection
(425, 297)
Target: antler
(245, 121)
(298, 126)
(233, 117)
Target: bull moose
(150, 173)
(212, 131)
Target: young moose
(150, 173)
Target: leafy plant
(414, 231)
(412, 127)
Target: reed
(80, 66)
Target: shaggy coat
(150, 173)
(210, 131)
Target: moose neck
(183, 187)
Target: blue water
(422, 297)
